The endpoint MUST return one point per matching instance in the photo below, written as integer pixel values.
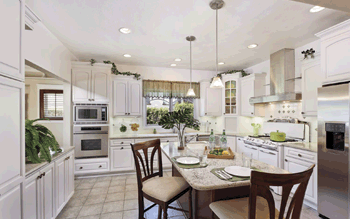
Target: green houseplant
(179, 119)
(39, 140)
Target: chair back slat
(139, 158)
(261, 182)
(145, 153)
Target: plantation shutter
(51, 104)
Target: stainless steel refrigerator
(333, 151)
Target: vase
(255, 131)
(181, 138)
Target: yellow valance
(169, 89)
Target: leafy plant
(232, 72)
(123, 128)
(184, 105)
(116, 72)
(154, 114)
(39, 140)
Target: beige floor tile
(89, 210)
(131, 195)
(69, 212)
(133, 214)
(102, 184)
(104, 178)
(118, 177)
(113, 215)
(131, 187)
(131, 176)
(76, 201)
(89, 180)
(85, 186)
(98, 191)
(115, 189)
(119, 182)
(112, 207)
(81, 193)
(95, 199)
(131, 204)
(115, 197)
(131, 181)
(90, 217)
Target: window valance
(169, 89)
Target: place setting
(192, 159)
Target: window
(157, 107)
(51, 104)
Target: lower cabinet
(240, 145)
(10, 203)
(231, 142)
(122, 158)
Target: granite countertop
(307, 146)
(163, 135)
(202, 178)
(32, 167)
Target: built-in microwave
(91, 114)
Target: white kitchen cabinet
(90, 83)
(122, 158)
(127, 97)
(91, 166)
(252, 86)
(12, 27)
(69, 163)
(11, 203)
(296, 160)
(210, 100)
(230, 94)
(240, 145)
(31, 197)
(335, 53)
(231, 142)
(312, 79)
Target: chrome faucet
(187, 141)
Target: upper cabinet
(12, 27)
(312, 79)
(127, 97)
(210, 100)
(91, 83)
(335, 53)
(252, 86)
(230, 94)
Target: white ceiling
(89, 28)
(342, 5)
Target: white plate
(238, 171)
(187, 160)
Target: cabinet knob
(252, 113)
(286, 160)
(224, 113)
(128, 113)
(205, 113)
(81, 168)
(100, 166)
(299, 155)
(302, 112)
(121, 148)
(44, 174)
(122, 142)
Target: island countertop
(202, 178)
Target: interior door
(247, 91)
(81, 85)
(135, 99)
(100, 86)
(120, 98)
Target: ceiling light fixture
(178, 60)
(216, 5)
(127, 55)
(190, 92)
(252, 46)
(221, 63)
(316, 9)
(173, 65)
(125, 30)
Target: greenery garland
(232, 72)
(116, 72)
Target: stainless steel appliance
(90, 141)
(333, 151)
(90, 114)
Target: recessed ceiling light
(173, 65)
(221, 63)
(252, 46)
(178, 60)
(127, 55)
(316, 9)
(125, 30)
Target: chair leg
(141, 208)
(190, 203)
(159, 212)
(165, 213)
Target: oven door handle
(267, 152)
(250, 147)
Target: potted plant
(179, 119)
(39, 140)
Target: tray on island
(230, 156)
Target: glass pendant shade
(190, 93)
(216, 83)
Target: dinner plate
(238, 171)
(187, 160)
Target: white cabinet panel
(231, 142)
(100, 85)
(210, 100)
(122, 158)
(81, 85)
(69, 168)
(48, 188)
(135, 98)
(60, 184)
(10, 203)
(231, 94)
(120, 98)
(240, 145)
(12, 27)
(252, 86)
(31, 197)
(247, 90)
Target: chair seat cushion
(164, 188)
(238, 208)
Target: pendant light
(216, 5)
(190, 92)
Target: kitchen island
(206, 186)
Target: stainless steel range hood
(282, 79)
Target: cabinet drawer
(164, 140)
(144, 139)
(300, 154)
(121, 142)
(91, 166)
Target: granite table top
(307, 146)
(164, 135)
(202, 178)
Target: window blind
(51, 104)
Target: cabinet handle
(167, 141)
(126, 114)
(205, 113)
(122, 142)
(250, 147)
(121, 148)
(81, 168)
(100, 166)
(299, 155)
(267, 152)
(302, 112)
(252, 113)
(286, 160)
(39, 177)
(43, 174)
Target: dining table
(206, 186)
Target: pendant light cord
(190, 64)
(217, 50)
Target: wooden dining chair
(260, 204)
(151, 183)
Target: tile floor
(116, 198)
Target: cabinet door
(230, 99)
(311, 80)
(60, 181)
(10, 203)
(120, 98)
(100, 86)
(31, 197)
(122, 158)
(48, 183)
(69, 168)
(135, 98)
(247, 91)
(81, 83)
(12, 27)
(213, 102)
(231, 142)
